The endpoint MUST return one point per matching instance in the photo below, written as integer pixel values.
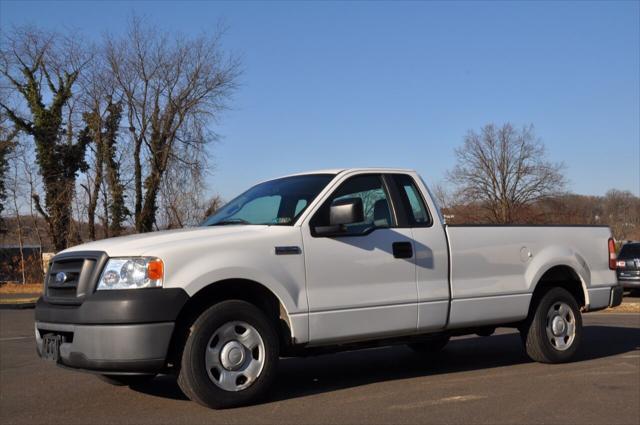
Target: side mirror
(346, 211)
(342, 212)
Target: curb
(17, 306)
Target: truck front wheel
(553, 333)
(230, 357)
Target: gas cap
(525, 254)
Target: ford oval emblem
(61, 277)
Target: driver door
(361, 282)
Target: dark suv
(628, 265)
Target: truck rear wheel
(554, 332)
(230, 357)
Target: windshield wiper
(230, 221)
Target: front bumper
(110, 348)
(120, 331)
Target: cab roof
(346, 170)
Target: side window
(375, 204)
(299, 206)
(417, 212)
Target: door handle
(402, 250)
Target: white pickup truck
(310, 263)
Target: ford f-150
(312, 263)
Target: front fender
(291, 296)
(282, 275)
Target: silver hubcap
(561, 326)
(235, 356)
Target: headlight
(132, 273)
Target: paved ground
(477, 380)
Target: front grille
(68, 287)
(72, 276)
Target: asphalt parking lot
(476, 380)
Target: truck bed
(493, 269)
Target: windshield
(275, 202)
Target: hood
(143, 243)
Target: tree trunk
(105, 221)
(147, 215)
(21, 244)
(117, 210)
(20, 238)
(95, 192)
(138, 184)
(34, 219)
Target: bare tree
(101, 132)
(442, 195)
(181, 192)
(41, 69)
(115, 208)
(173, 87)
(211, 206)
(181, 197)
(102, 115)
(621, 212)
(15, 190)
(29, 176)
(7, 143)
(95, 170)
(503, 170)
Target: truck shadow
(300, 377)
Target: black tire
(538, 343)
(124, 380)
(431, 346)
(193, 377)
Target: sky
(395, 84)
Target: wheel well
(559, 277)
(231, 289)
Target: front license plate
(51, 347)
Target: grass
(625, 307)
(18, 300)
(16, 288)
